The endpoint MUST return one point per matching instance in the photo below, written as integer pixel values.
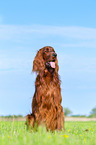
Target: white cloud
(13, 64)
(87, 44)
(80, 37)
(72, 63)
(70, 32)
(15, 60)
(75, 36)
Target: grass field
(76, 133)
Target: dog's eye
(46, 51)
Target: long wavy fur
(46, 103)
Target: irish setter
(46, 104)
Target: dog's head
(46, 58)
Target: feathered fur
(46, 103)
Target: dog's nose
(54, 54)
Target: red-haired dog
(46, 104)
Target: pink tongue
(52, 64)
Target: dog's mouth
(52, 64)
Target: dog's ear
(38, 63)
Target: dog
(46, 103)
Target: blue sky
(69, 27)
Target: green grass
(15, 133)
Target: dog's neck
(48, 76)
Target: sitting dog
(46, 104)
